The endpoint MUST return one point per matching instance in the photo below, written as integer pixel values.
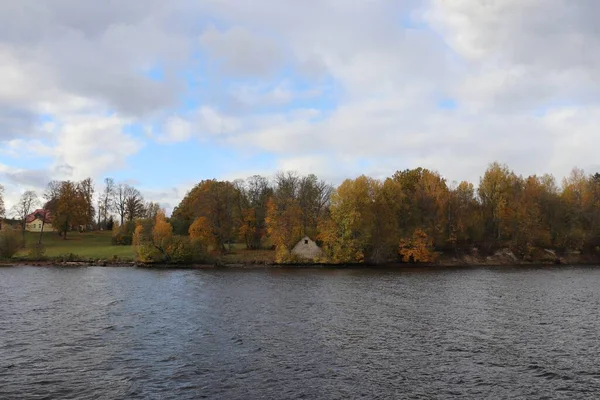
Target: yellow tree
(153, 240)
(418, 249)
(201, 232)
(498, 192)
(215, 201)
(464, 217)
(347, 236)
(68, 207)
(284, 225)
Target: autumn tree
(253, 195)
(580, 196)
(465, 223)
(418, 249)
(10, 242)
(86, 189)
(284, 215)
(348, 233)
(68, 206)
(313, 199)
(201, 232)
(153, 239)
(498, 193)
(217, 202)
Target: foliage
(69, 204)
(216, 202)
(418, 248)
(348, 234)
(120, 239)
(10, 242)
(123, 234)
(154, 242)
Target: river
(108, 333)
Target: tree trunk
(41, 232)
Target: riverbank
(95, 249)
(500, 258)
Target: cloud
(317, 84)
(523, 55)
(239, 52)
(176, 129)
(91, 145)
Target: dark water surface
(116, 333)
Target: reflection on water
(243, 334)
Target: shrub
(37, 251)
(120, 239)
(69, 257)
(123, 236)
(10, 242)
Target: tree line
(75, 205)
(412, 216)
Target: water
(107, 333)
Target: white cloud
(522, 74)
(176, 129)
(91, 145)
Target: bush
(69, 257)
(123, 236)
(10, 242)
(37, 251)
(120, 239)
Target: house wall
(36, 226)
(307, 248)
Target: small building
(307, 248)
(37, 219)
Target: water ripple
(104, 333)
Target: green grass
(88, 245)
(97, 246)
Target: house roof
(40, 213)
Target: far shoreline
(249, 266)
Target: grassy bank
(87, 245)
(97, 246)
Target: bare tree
(107, 200)
(151, 209)
(119, 200)
(86, 188)
(128, 202)
(313, 198)
(24, 207)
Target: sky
(164, 94)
